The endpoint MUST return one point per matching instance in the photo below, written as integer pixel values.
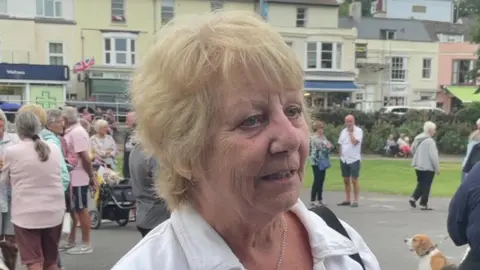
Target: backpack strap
(333, 222)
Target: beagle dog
(431, 258)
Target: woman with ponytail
(32, 169)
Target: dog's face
(419, 244)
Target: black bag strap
(333, 222)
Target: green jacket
(49, 136)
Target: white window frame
(404, 69)
(113, 61)
(336, 56)
(387, 34)
(301, 22)
(50, 54)
(447, 38)
(4, 5)
(167, 8)
(427, 68)
(456, 71)
(56, 13)
(113, 10)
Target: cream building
(37, 45)
(397, 61)
(310, 27)
(116, 33)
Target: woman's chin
(279, 202)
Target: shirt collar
(72, 127)
(205, 248)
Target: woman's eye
(252, 121)
(293, 112)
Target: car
(401, 110)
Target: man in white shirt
(350, 144)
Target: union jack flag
(83, 65)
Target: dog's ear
(423, 245)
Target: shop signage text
(34, 72)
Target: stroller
(113, 201)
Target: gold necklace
(283, 243)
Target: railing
(15, 57)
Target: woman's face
(258, 150)
(320, 130)
(103, 130)
(57, 127)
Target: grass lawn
(383, 176)
(391, 177)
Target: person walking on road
(151, 210)
(426, 163)
(32, 167)
(320, 149)
(81, 177)
(350, 142)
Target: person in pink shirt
(81, 177)
(32, 169)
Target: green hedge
(452, 130)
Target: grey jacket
(151, 210)
(425, 154)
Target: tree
(476, 39)
(366, 7)
(467, 8)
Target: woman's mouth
(279, 176)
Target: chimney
(355, 11)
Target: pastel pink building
(455, 62)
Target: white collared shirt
(351, 152)
(187, 242)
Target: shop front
(45, 85)
(107, 85)
(396, 94)
(329, 94)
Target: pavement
(383, 221)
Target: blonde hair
(3, 117)
(37, 110)
(176, 90)
(100, 123)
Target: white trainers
(80, 250)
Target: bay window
(323, 55)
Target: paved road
(383, 221)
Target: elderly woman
(426, 163)
(32, 168)
(103, 145)
(6, 227)
(52, 130)
(223, 113)
(320, 149)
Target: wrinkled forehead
(259, 92)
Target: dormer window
(450, 38)
(386, 34)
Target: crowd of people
(46, 176)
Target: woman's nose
(286, 137)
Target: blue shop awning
(329, 86)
